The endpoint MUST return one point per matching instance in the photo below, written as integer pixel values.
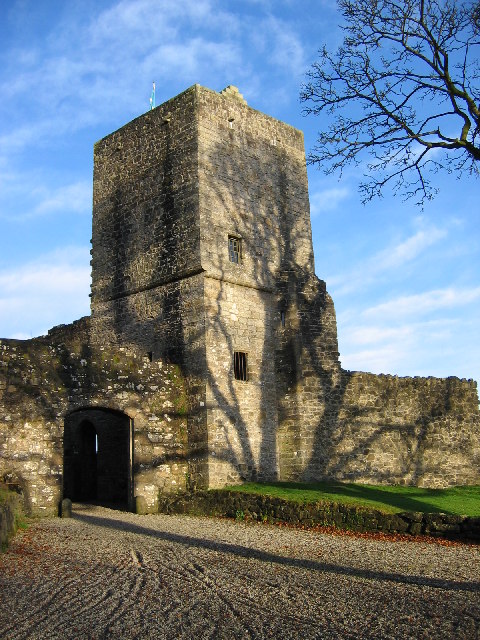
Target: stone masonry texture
(142, 398)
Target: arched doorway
(97, 463)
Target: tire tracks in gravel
(48, 615)
(198, 573)
(177, 565)
(125, 602)
(125, 584)
(167, 578)
(41, 612)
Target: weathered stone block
(66, 508)
(141, 506)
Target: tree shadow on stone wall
(311, 389)
(241, 194)
(312, 446)
(410, 441)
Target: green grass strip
(386, 498)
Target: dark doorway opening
(85, 472)
(98, 452)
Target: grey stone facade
(202, 258)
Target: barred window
(240, 365)
(235, 249)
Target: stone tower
(202, 256)
(211, 353)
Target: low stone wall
(233, 504)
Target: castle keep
(210, 356)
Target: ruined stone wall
(41, 383)
(145, 237)
(308, 374)
(166, 322)
(384, 429)
(419, 431)
(147, 283)
(170, 309)
(252, 185)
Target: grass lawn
(389, 499)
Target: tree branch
(400, 60)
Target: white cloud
(40, 199)
(75, 197)
(407, 250)
(286, 50)
(423, 303)
(327, 199)
(93, 69)
(191, 56)
(361, 335)
(440, 347)
(394, 257)
(52, 289)
(383, 359)
(76, 77)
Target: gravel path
(108, 574)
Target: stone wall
(253, 187)
(242, 416)
(419, 431)
(147, 278)
(145, 202)
(11, 513)
(42, 383)
(308, 373)
(263, 508)
(385, 429)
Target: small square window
(235, 249)
(240, 365)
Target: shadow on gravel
(263, 556)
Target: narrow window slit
(240, 365)
(234, 249)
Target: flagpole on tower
(152, 97)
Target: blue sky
(405, 282)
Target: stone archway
(97, 463)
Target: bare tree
(403, 90)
